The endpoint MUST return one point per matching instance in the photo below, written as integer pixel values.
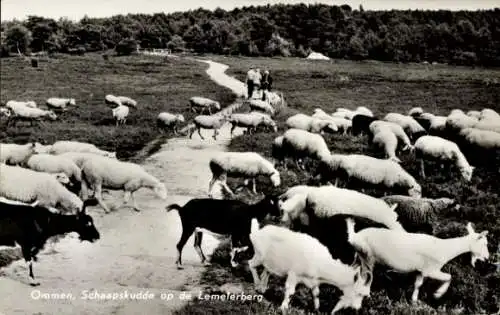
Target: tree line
(456, 37)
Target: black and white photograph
(254, 157)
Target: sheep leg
(252, 264)
(290, 284)
(198, 236)
(186, 233)
(28, 257)
(418, 283)
(254, 189)
(441, 276)
(199, 132)
(315, 294)
(340, 305)
(232, 130)
(191, 133)
(215, 134)
(422, 171)
(134, 203)
(98, 196)
(264, 280)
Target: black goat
(361, 124)
(31, 226)
(224, 217)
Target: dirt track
(136, 252)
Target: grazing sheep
(261, 106)
(487, 114)
(246, 164)
(327, 201)
(274, 98)
(419, 215)
(251, 121)
(432, 123)
(364, 111)
(373, 171)
(474, 113)
(343, 125)
(127, 101)
(30, 114)
(410, 125)
(299, 144)
(120, 114)
(166, 120)
(303, 259)
(387, 140)
(489, 120)
(361, 124)
(60, 103)
(408, 252)
(55, 164)
(307, 123)
(443, 150)
(415, 112)
(377, 125)
(214, 122)
(15, 154)
(24, 185)
(18, 104)
(482, 138)
(60, 147)
(223, 217)
(100, 171)
(78, 157)
(31, 226)
(112, 100)
(203, 104)
(457, 121)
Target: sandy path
(136, 252)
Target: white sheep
(15, 154)
(409, 124)
(214, 122)
(377, 125)
(308, 123)
(100, 171)
(17, 104)
(274, 98)
(342, 124)
(24, 185)
(375, 171)
(55, 164)
(78, 157)
(327, 201)
(489, 113)
(489, 120)
(203, 103)
(246, 164)
(415, 111)
(24, 113)
(474, 114)
(299, 144)
(344, 113)
(303, 259)
(60, 147)
(387, 140)
(363, 111)
(167, 120)
(261, 106)
(443, 150)
(483, 138)
(409, 252)
(112, 100)
(458, 120)
(120, 114)
(127, 101)
(251, 121)
(60, 103)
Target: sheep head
(217, 105)
(62, 178)
(467, 172)
(72, 102)
(51, 115)
(111, 155)
(478, 245)
(275, 179)
(415, 191)
(180, 118)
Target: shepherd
(251, 74)
(266, 83)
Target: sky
(76, 9)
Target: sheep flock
(343, 215)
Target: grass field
(157, 85)
(382, 88)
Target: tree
(19, 37)
(126, 47)
(176, 44)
